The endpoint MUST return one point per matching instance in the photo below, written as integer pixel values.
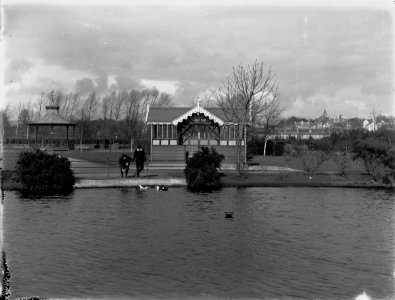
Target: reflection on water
(282, 242)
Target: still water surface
(305, 243)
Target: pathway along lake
(308, 243)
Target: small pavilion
(52, 119)
(178, 132)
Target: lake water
(283, 243)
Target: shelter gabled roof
(198, 110)
(52, 118)
(174, 115)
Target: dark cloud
(84, 86)
(125, 82)
(101, 81)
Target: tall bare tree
(245, 94)
(132, 108)
(118, 104)
(87, 110)
(268, 119)
(164, 100)
(69, 104)
(18, 109)
(5, 114)
(40, 106)
(375, 117)
(105, 107)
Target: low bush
(43, 173)
(201, 172)
(312, 160)
(377, 158)
(289, 150)
(278, 149)
(342, 161)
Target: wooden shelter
(178, 132)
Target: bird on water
(228, 214)
(161, 188)
(143, 188)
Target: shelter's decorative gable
(175, 115)
(198, 110)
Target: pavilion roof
(174, 115)
(52, 118)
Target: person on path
(124, 164)
(139, 157)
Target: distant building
(371, 125)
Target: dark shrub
(255, 146)
(376, 156)
(278, 148)
(43, 173)
(289, 150)
(201, 172)
(343, 162)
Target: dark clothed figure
(124, 164)
(139, 157)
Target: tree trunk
(264, 147)
(82, 132)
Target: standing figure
(139, 157)
(124, 164)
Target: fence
(99, 167)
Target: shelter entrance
(198, 130)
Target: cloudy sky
(335, 57)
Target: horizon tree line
(119, 114)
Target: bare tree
(244, 95)
(5, 121)
(119, 101)
(91, 104)
(86, 111)
(148, 97)
(18, 109)
(268, 119)
(68, 105)
(132, 108)
(40, 105)
(105, 106)
(164, 100)
(375, 117)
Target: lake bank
(229, 179)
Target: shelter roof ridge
(200, 110)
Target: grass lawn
(354, 167)
(101, 156)
(292, 179)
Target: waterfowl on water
(143, 188)
(161, 188)
(228, 214)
